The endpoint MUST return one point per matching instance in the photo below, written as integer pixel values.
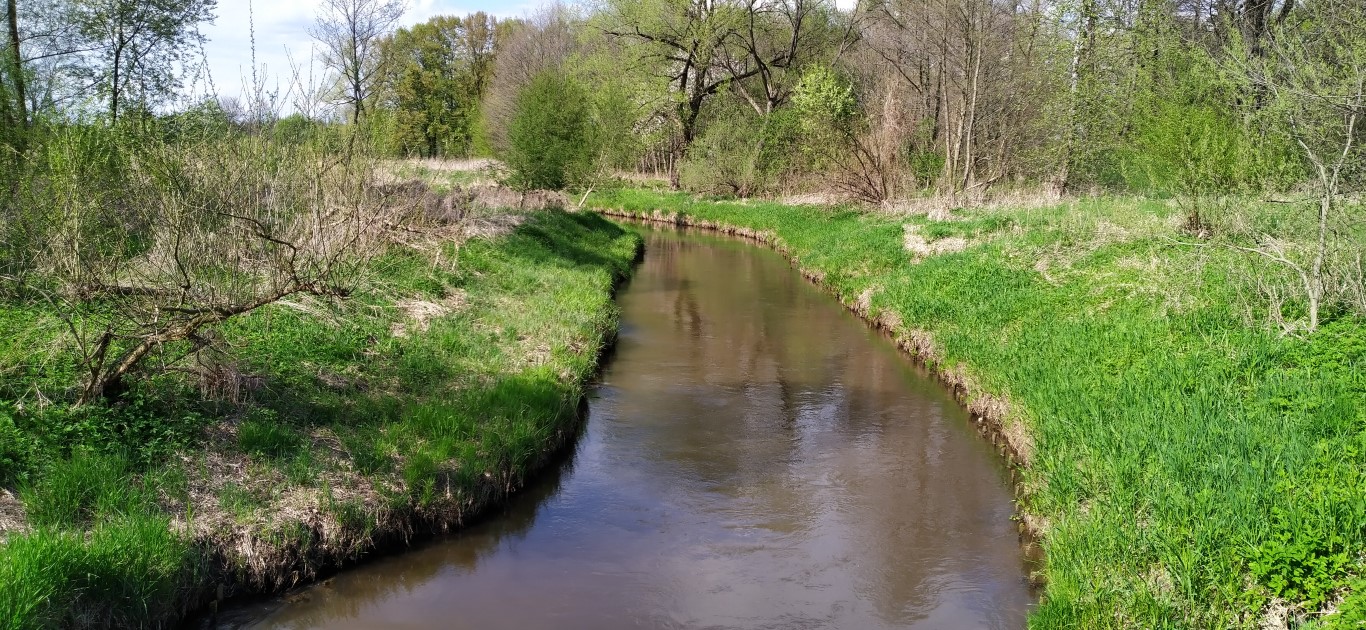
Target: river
(754, 456)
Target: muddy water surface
(755, 457)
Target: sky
(282, 31)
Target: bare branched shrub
(854, 137)
(1312, 76)
(145, 253)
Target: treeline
(896, 98)
(1199, 100)
(1217, 104)
(890, 99)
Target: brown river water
(754, 457)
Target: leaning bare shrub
(193, 234)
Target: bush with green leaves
(552, 137)
(740, 153)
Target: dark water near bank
(755, 457)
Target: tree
(964, 63)
(350, 32)
(134, 47)
(435, 77)
(835, 129)
(15, 64)
(1313, 73)
(551, 135)
(702, 47)
(525, 50)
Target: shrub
(553, 144)
(741, 154)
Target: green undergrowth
(1196, 468)
(441, 382)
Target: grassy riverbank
(322, 432)
(1188, 465)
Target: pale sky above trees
(283, 24)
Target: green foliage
(127, 572)
(297, 129)
(16, 448)
(1190, 138)
(1315, 540)
(1300, 568)
(82, 490)
(436, 74)
(1351, 614)
(741, 154)
(553, 142)
(824, 99)
(828, 115)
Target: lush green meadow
(329, 428)
(1190, 465)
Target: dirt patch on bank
(13, 519)
(922, 248)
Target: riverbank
(324, 433)
(1183, 463)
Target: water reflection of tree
(915, 503)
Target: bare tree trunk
(1081, 50)
(969, 169)
(114, 83)
(17, 61)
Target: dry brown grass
(942, 207)
(420, 313)
(921, 248)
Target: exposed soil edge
(989, 412)
(318, 553)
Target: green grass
(1193, 464)
(124, 572)
(435, 421)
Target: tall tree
(524, 49)
(435, 75)
(702, 47)
(134, 47)
(350, 32)
(15, 60)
